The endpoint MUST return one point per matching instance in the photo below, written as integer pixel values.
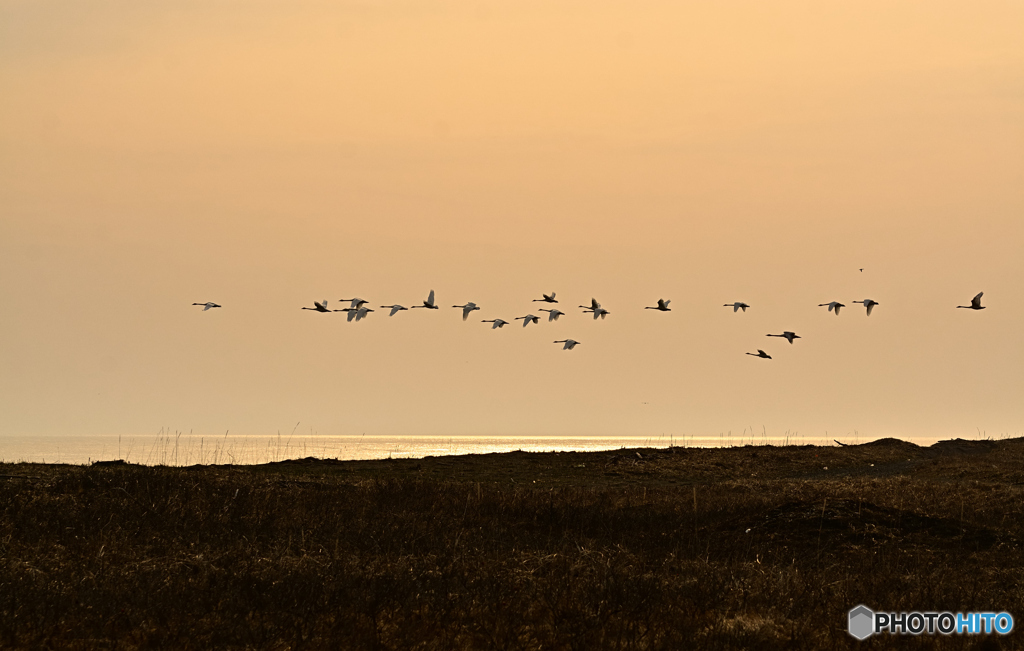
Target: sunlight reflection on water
(187, 450)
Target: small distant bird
(497, 323)
(975, 303)
(528, 319)
(395, 309)
(662, 306)
(833, 306)
(355, 303)
(320, 307)
(569, 343)
(553, 314)
(467, 308)
(548, 298)
(356, 313)
(790, 336)
(868, 303)
(207, 305)
(737, 306)
(760, 353)
(594, 305)
(429, 303)
(862, 270)
(599, 312)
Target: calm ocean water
(187, 450)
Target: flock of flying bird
(357, 311)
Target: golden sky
(264, 155)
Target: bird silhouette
(207, 305)
(737, 306)
(467, 308)
(320, 307)
(790, 336)
(548, 298)
(497, 322)
(868, 303)
(395, 309)
(760, 353)
(661, 307)
(833, 306)
(552, 314)
(356, 313)
(569, 343)
(528, 319)
(429, 303)
(975, 303)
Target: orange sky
(264, 156)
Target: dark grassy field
(754, 547)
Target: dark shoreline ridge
(730, 548)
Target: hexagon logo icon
(861, 622)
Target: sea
(179, 449)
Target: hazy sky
(264, 155)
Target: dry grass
(517, 551)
